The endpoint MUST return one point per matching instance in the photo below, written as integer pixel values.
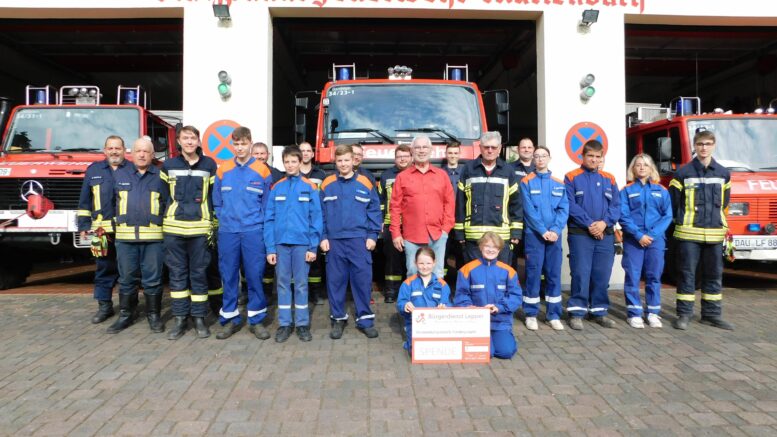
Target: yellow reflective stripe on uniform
(96, 198)
(513, 189)
(215, 292)
(686, 297)
(122, 202)
(199, 297)
(154, 203)
(204, 200)
(722, 199)
(163, 176)
(84, 213)
(393, 277)
(712, 297)
(314, 279)
(516, 225)
(212, 180)
(675, 183)
(690, 207)
(174, 204)
(267, 280)
(180, 294)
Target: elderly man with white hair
(140, 196)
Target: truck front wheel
(13, 273)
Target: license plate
(755, 243)
(5, 172)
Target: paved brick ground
(60, 375)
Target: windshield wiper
(430, 130)
(375, 132)
(77, 149)
(767, 168)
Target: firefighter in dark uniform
(140, 199)
(700, 192)
(395, 269)
(316, 284)
(187, 224)
(488, 199)
(96, 209)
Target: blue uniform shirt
(436, 292)
(351, 208)
(240, 195)
(293, 214)
(593, 196)
(140, 203)
(482, 282)
(646, 209)
(545, 203)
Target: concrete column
(243, 48)
(565, 53)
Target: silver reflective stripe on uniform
(435, 295)
(531, 299)
(330, 198)
(300, 307)
(304, 199)
(593, 310)
(633, 195)
(284, 307)
(634, 307)
(689, 181)
(579, 193)
(501, 286)
(535, 191)
(339, 318)
(657, 307)
(229, 315)
(482, 180)
(362, 199)
(315, 181)
(553, 299)
(417, 293)
(478, 286)
(280, 198)
(254, 313)
(226, 188)
(368, 316)
(198, 173)
(569, 309)
(255, 190)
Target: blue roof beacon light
(131, 97)
(343, 72)
(40, 97)
(456, 74)
(753, 227)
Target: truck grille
(63, 192)
(773, 211)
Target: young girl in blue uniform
(422, 290)
(646, 213)
(488, 283)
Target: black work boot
(104, 311)
(717, 322)
(127, 305)
(201, 327)
(227, 331)
(682, 322)
(154, 312)
(179, 329)
(338, 326)
(215, 301)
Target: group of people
(213, 225)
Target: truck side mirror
(664, 154)
(501, 107)
(300, 118)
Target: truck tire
(12, 276)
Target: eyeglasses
(490, 147)
(403, 156)
(705, 144)
(422, 147)
(541, 156)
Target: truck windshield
(742, 144)
(390, 108)
(62, 129)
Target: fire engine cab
(745, 143)
(381, 113)
(47, 146)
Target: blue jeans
(438, 246)
(140, 264)
(291, 265)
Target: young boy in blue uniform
(594, 208)
(489, 283)
(545, 212)
(646, 213)
(352, 222)
(292, 231)
(422, 290)
(240, 198)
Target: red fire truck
(379, 114)
(744, 144)
(47, 145)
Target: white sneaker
(556, 325)
(654, 321)
(636, 322)
(531, 324)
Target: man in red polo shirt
(423, 198)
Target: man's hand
(550, 236)
(370, 244)
(324, 245)
(491, 307)
(645, 241)
(272, 259)
(84, 234)
(515, 240)
(310, 256)
(409, 307)
(399, 244)
(597, 229)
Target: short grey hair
(144, 140)
(420, 137)
(493, 135)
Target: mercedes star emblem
(31, 187)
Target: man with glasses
(358, 157)
(422, 211)
(488, 200)
(700, 193)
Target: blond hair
(652, 177)
(493, 238)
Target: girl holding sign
(492, 284)
(422, 290)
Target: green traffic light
(589, 91)
(224, 90)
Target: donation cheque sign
(451, 335)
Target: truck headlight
(739, 208)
